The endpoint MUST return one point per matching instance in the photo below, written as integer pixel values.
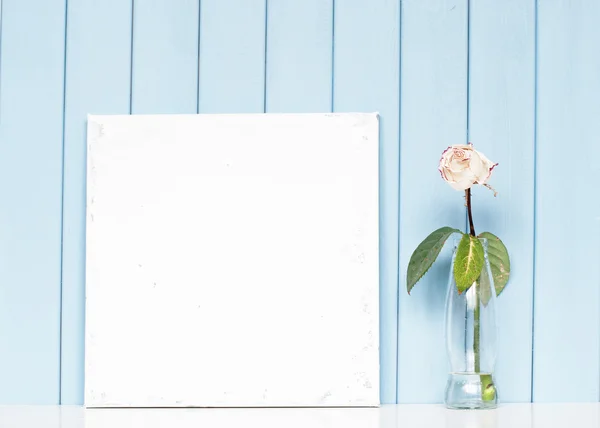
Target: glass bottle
(471, 341)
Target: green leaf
(425, 254)
(488, 389)
(499, 261)
(484, 287)
(468, 262)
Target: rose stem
(476, 331)
(476, 312)
(468, 197)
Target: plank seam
(265, 56)
(535, 155)
(131, 58)
(332, 54)
(198, 59)
(62, 214)
(399, 187)
(468, 94)
(1, 42)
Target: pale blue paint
(165, 57)
(501, 124)
(98, 79)
(434, 115)
(366, 66)
(232, 56)
(31, 115)
(408, 61)
(567, 273)
(299, 62)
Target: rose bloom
(462, 166)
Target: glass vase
(471, 341)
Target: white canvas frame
(232, 260)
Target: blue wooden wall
(520, 78)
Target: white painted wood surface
(232, 260)
(389, 416)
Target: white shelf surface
(392, 416)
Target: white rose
(462, 166)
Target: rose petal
(489, 165)
(454, 166)
(444, 160)
(479, 167)
(458, 165)
(463, 184)
(462, 180)
(448, 149)
(441, 170)
(450, 178)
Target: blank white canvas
(232, 260)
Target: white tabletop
(400, 416)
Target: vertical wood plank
(232, 56)
(567, 272)
(501, 125)
(434, 116)
(31, 115)
(165, 56)
(366, 78)
(97, 82)
(299, 56)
